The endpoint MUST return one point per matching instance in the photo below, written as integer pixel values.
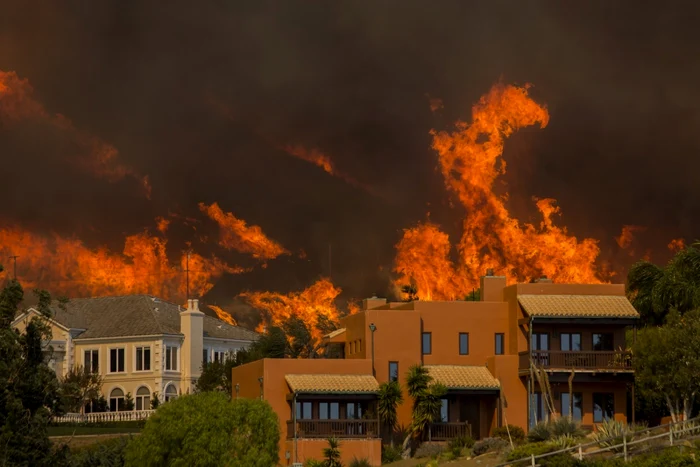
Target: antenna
(187, 276)
(14, 257)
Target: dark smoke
(200, 96)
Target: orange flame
(470, 159)
(308, 305)
(17, 104)
(627, 235)
(236, 235)
(676, 245)
(223, 315)
(67, 267)
(314, 156)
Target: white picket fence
(99, 417)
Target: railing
(603, 360)
(334, 428)
(446, 431)
(632, 444)
(99, 417)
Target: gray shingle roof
(136, 315)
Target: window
(116, 399)
(537, 410)
(427, 343)
(539, 341)
(571, 341)
(578, 405)
(323, 410)
(499, 343)
(353, 410)
(91, 361)
(603, 406)
(143, 359)
(170, 393)
(171, 358)
(219, 356)
(116, 360)
(464, 343)
(393, 371)
(444, 410)
(603, 342)
(143, 398)
(205, 356)
(303, 410)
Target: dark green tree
(331, 453)
(28, 387)
(389, 398)
(208, 429)
(78, 388)
(300, 341)
(426, 395)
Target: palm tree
(332, 453)
(655, 291)
(390, 396)
(426, 395)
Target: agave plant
(612, 433)
(332, 453)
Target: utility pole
(187, 276)
(14, 257)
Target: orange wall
(513, 390)
(371, 449)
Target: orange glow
(162, 224)
(317, 300)
(65, 266)
(677, 244)
(470, 159)
(99, 158)
(236, 235)
(627, 235)
(314, 156)
(223, 315)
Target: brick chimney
(192, 327)
(492, 287)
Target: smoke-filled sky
(203, 98)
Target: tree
(389, 398)
(208, 429)
(426, 395)
(332, 453)
(300, 341)
(78, 388)
(667, 362)
(655, 291)
(29, 388)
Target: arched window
(116, 400)
(170, 393)
(143, 398)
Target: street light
(373, 328)
(260, 380)
(238, 389)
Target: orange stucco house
(488, 354)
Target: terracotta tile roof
(333, 384)
(578, 306)
(463, 377)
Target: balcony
(334, 429)
(611, 361)
(102, 417)
(446, 431)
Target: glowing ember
(223, 315)
(308, 305)
(66, 266)
(99, 158)
(627, 235)
(470, 161)
(677, 244)
(236, 235)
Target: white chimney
(192, 328)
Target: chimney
(192, 328)
(492, 287)
(373, 302)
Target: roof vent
(489, 272)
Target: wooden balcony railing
(447, 431)
(603, 360)
(334, 428)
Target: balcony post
(294, 422)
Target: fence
(100, 417)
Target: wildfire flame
(99, 158)
(223, 315)
(236, 235)
(317, 300)
(470, 159)
(676, 245)
(68, 267)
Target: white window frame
(166, 360)
(143, 347)
(144, 405)
(92, 351)
(109, 367)
(209, 359)
(166, 395)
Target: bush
(611, 433)
(489, 445)
(517, 434)
(431, 450)
(456, 445)
(314, 463)
(527, 450)
(106, 453)
(364, 462)
(565, 441)
(208, 429)
(539, 433)
(390, 454)
(563, 426)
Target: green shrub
(544, 431)
(390, 454)
(489, 445)
(539, 433)
(527, 450)
(431, 450)
(517, 434)
(364, 462)
(313, 463)
(456, 445)
(106, 453)
(565, 441)
(612, 432)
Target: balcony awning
(332, 384)
(577, 306)
(463, 377)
